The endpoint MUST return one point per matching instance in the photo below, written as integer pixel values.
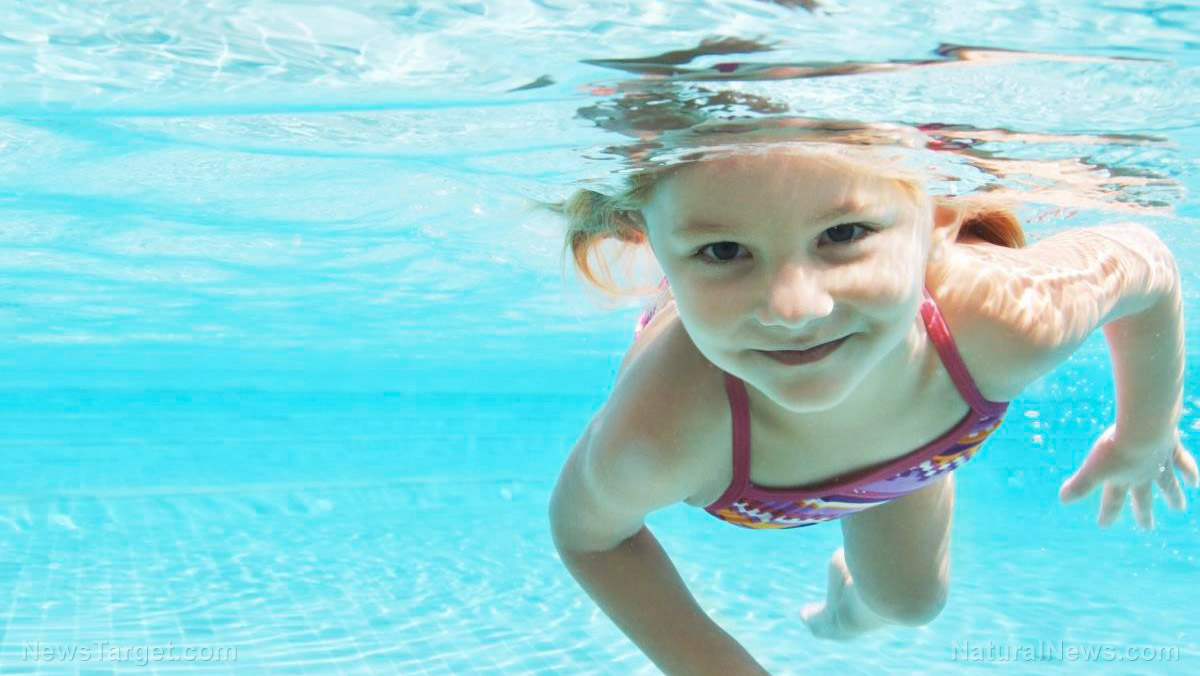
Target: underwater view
(367, 337)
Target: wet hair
(594, 217)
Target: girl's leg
(895, 568)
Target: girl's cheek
(706, 315)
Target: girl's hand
(1125, 467)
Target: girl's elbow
(1146, 242)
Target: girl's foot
(841, 616)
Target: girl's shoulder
(636, 455)
(978, 311)
(668, 396)
(1013, 312)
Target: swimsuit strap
(943, 341)
(739, 406)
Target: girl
(832, 342)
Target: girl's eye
(723, 252)
(846, 233)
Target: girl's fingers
(1143, 505)
(1082, 483)
(1172, 491)
(1111, 502)
(1187, 465)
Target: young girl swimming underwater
(831, 343)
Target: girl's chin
(811, 402)
(800, 394)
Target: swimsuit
(749, 505)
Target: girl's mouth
(809, 356)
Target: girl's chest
(781, 459)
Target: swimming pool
(290, 368)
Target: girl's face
(783, 252)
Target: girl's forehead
(778, 186)
(778, 174)
(861, 163)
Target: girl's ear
(630, 226)
(946, 223)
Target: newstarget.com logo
(141, 655)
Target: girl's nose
(795, 297)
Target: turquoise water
(290, 368)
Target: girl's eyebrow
(700, 226)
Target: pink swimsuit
(751, 506)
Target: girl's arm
(1037, 305)
(1146, 339)
(638, 588)
(606, 488)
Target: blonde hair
(593, 217)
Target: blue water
(289, 365)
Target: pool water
(290, 367)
